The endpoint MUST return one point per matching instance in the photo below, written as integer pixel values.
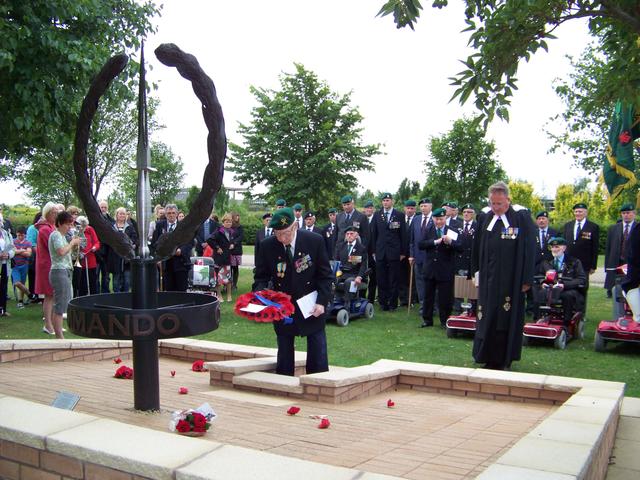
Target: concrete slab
(455, 373)
(566, 431)
(626, 454)
(28, 423)
(630, 407)
(130, 448)
(507, 472)
(270, 381)
(513, 379)
(629, 429)
(238, 367)
(248, 397)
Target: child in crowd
(21, 266)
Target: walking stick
(410, 286)
(161, 283)
(86, 269)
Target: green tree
(505, 32)
(407, 189)
(194, 191)
(522, 194)
(164, 183)
(462, 164)
(49, 52)
(303, 143)
(566, 198)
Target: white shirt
(495, 218)
(575, 228)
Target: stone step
(245, 365)
(269, 381)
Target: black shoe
(609, 294)
(385, 308)
(393, 309)
(425, 324)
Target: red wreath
(269, 314)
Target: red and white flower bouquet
(192, 422)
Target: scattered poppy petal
(117, 360)
(324, 423)
(183, 390)
(173, 373)
(391, 403)
(293, 410)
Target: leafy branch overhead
(503, 33)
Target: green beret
(439, 212)
(580, 205)
(425, 200)
(297, 206)
(468, 206)
(557, 241)
(332, 210)
(309, 214)
(346, 199)
(410, 203)
(386, 195)
(453, 204)
(368, 203)
(543, 213)
(282, 219)
(267, 215)
(281, 202)
(627, 207)
(351, 228)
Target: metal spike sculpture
(145, 315)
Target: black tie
(424, 224)
(171, 227)
(387, 216)
(625, 240)
(578, 231)
(466, 228)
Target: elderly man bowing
(503, 260)
(296, 262)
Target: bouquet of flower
(124, 372)
(264, 306)
(193, 423)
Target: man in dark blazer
(582, 238)
(296, 263)
(405, 266)
(353, 259)
(544, 233)
(389, 241)
(451, 209)
(369, 211)
(310, 223)
(330, 234)
(175, 269)
(264, 232)
(350, 217)
(467, 230)
(438, 270)
(418, 229)
(616, 251)
(571, 277)
(205, 231)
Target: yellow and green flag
(619, 165)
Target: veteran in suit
(296, 263)
(616, 251)
(353, 264)
(264, 232)
(417, 231)
(330, 233)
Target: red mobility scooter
(466, 321)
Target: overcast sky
(399, 80)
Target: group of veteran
(414, 255)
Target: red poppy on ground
(199, 420)
(183, 390)
(117, 360)
(293, 410)
(183, 426)
(124, 372)
(391, 403)
(198, 366)
(173, 373)
(324, 423)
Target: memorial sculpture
(146, 315)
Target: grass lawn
(397, 336)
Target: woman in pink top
(45, 227)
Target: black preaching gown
(505, 258)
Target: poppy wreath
(278, 306)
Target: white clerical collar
(495, 218)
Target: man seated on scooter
(569, 280)
(353, 265)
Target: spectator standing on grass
(236, 251)
(20, 269)
(119, 266)
(45, 227)
(32, 236)
(61, 268)
(7, 251)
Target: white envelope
(307, 303)
(452, 234)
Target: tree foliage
(303, 143)
(522, 193)
(505, 32)
(462, 165)
(164, 184)
(49, 52)
(408, 189)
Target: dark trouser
(122, 281)
(317, 358)
(235, 273)
(570, 301)
(175, 281)
(4, 283)
(403, 282)
(92, 287)
(32, 274)
(373, 281)
(445, 300)
(388, 273)
(103, 276)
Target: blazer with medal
(175, 263)
(585, 247)
(355, 264)
(390, 239)
(309, 271)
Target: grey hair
(82, 221)
(499, 187)
(170, 206)
(48, 207)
